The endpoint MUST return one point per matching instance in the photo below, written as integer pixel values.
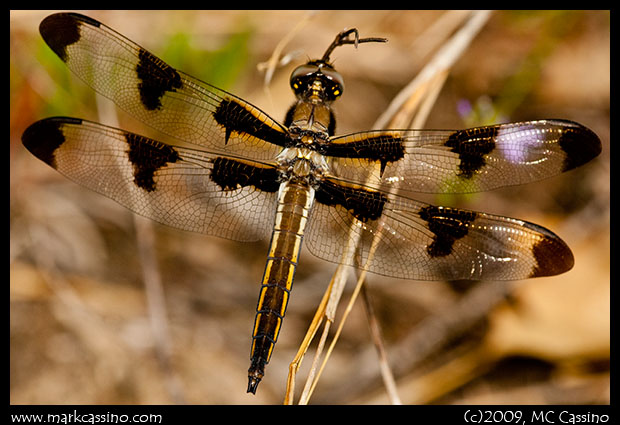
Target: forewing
(157, 94)
(461, 161)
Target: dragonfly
(244, 176)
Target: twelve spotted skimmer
(251, 178)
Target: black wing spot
(448, 225)
(44, 137)
(229, 174)
(471, 145)
(384, 148)
(147, 156)
(363, 204)
(580, 145)
(156, 78)
(61, 30)
(234, 117)
(331, 128)
(551, 253)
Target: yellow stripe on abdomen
(294, 205)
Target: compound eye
(301, 75)
(335, 86)
(335, 83)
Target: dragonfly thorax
(308, 118)
(302, 164)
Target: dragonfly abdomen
(294, 204)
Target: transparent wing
(414, 240)
(156, 93)
(183, 188)
(460, 161)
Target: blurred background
(85, 328)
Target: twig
(441, 62)
(349, 308)
(377, 337)
(270, 65)
(296, 363)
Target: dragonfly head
(318, 79)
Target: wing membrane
(473, 160)
(154, 92)
(171, 185)
(418, 241)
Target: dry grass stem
(377, 338)
(270, 65)
(303, 348)
(327, 309)
(443, 60)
